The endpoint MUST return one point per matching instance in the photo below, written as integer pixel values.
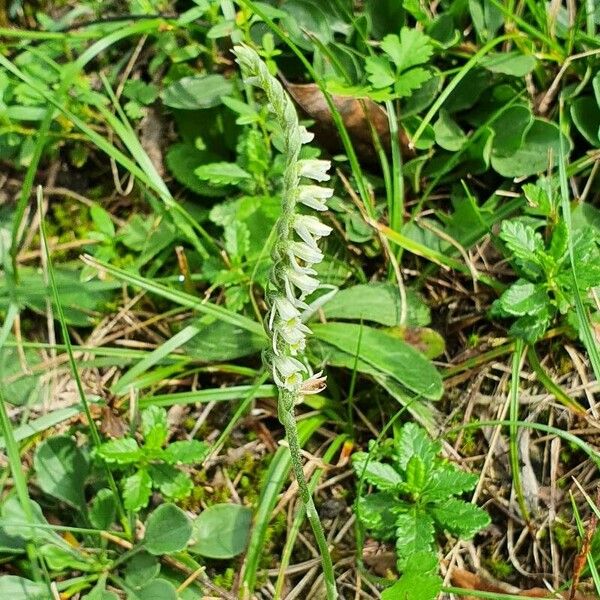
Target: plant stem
(288, 420)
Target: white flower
(313, 196)
(302, 269)
(310, 229)
(307, 253)
(287, 372)
(304, 282)
(305, 135)
(315, 169)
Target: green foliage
(545, 289)
(221, 531)
(168, 530)
(154, 463)
(415, 496)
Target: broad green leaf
(424, 339)
(80, 301)
(523, 298)
(445, 481)
(509, 63)
(99, 592)
(460, 518)
(222, 173)
(414, 441)
(16, 525)
(182, 159)
(410, 49)
(123, 451)
(585, 113)
(510, 129)
(172, 482)
(159, 589)
(414, 533)
(65, 558)
(379, 474)
(20, 383)
(539, 148)
(141, 569)
(197, 91)
(103, 509)
(220, 340)
(18, 588)
(168, 530)
(448, 134)
(154, 427)
(221, 531)
(387, 354)
(102, 220)
(376, 513)
(61, 469)
(136, 490)
(377, 302)
(185, 452)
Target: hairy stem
(288, 420)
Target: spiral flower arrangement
(293, 277)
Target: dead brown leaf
(470, 581)
(359, 116)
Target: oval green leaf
(221, 531)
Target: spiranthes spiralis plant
(292, 278)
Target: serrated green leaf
(526, 246)
(524, 298)
(460, 518)
(380, 72)
(410, 49)
(537, 198)
(410, 81)
(416, 474)
(123, 451)
(418, 581)
(136, 490)
(154, 427)
(414, 533)
(414, 441)
(530, 328)
(222, 173)
(445, 481)
(375, 512)
(379, 474)
(185, 452)
(168, 530)
(172, 482)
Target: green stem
(287, 418)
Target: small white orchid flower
(305, 283)
(314, 196)
(303, 251)
(305, 135)
(312, 168)
(310, 229)
(287, 372)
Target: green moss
(500, 569)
